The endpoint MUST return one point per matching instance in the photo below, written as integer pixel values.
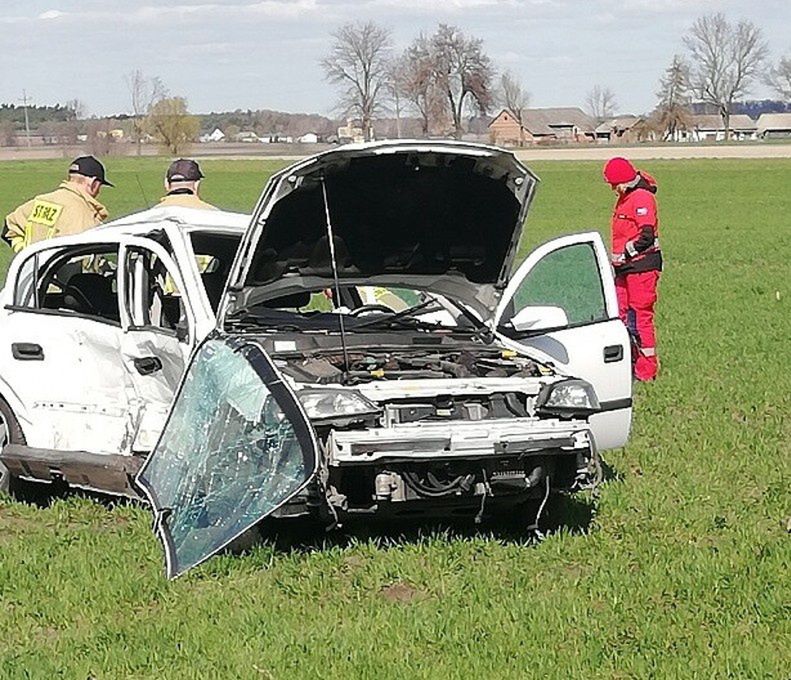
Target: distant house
(216, 136)
(505, 130)
(624, 130)
(703, 128)
(247, 136)
(308, 138)
(774, 126)
(275, 138)
(563, 125)
(352, 133)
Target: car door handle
(613, 353)
(27, 351)
(148, 365)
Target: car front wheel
(10, 433)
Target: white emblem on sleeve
(642, 211)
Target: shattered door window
(237, 446)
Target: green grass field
(681, 568)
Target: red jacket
(635, 229)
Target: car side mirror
(539, 318)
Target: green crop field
(680, 568)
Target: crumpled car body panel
(236, 447)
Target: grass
(681, 570)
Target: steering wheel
(81, 298)
(375, 307)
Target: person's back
(182, 184)
(70, 209)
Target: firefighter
(636, 257)
(182, 184)
(71, 209)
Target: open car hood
(440, 216)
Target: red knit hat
(619, 171)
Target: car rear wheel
(10, 433)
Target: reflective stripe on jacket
(635, 229)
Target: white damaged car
(374, 354)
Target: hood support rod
(336, 281)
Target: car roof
(174, 217)
(174, 221)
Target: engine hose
(443, 490)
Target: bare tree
(395, 69)
(143, 93)
(99, 140)
(7, 133)
(68, 134)
(77, 107)
(726, 58)
(601, 103)
(358, 62)
(672, 112)
(779, 78)
(171, 124)
(516, 99)
(416, 80)
(463, 72)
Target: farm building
(704, 128)
(774, 126)
(352, 132)
(216, 136)
(275, 138)
(308, 138)
(570, 124)
(624, 130)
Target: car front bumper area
(431, 442)
(452, 468)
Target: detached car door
(159, 325)
(561, 306)
(237, 446)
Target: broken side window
(79, 279)
(236, 447)
(153, 298)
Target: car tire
(10, 433)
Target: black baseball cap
(184, 170)
(90, 167)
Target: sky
(264, 54)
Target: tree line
(446, 76)
(442, 79)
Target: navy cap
(184, 170)
(89, 167)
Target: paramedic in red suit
(636, 256)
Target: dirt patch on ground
(402, 592)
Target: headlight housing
(328, 404)
(568, 399)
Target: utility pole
(27, 121)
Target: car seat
(91, 293)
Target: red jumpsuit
(637, 260)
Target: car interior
(84, 282)
(215, 254)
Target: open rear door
(237, 446)
(561, 306)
